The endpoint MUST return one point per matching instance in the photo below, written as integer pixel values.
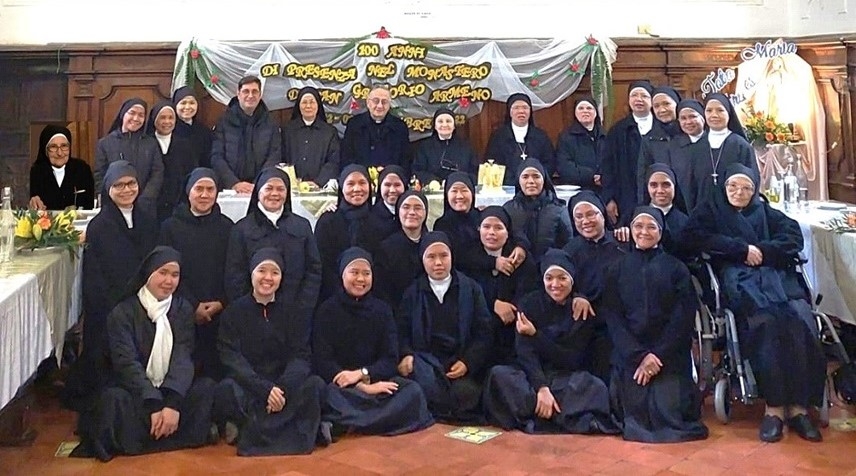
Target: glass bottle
(7, 227)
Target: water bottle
(802, 185)
(7, 227)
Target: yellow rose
(24, 229)
(37, 233)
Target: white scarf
(694, 139)
(716, 138)
(164, 141)
(665, 210)
(520, 133)
(158, 365)
(644, 124)
(440, 286)
(59, 174)
(389, 207)
(272, 216)
(128, 215)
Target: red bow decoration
(464, 102)
(382, 33)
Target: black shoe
(805, 428)
(771, 429)
(325, 436)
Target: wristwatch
(365, 373)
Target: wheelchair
(730, 379)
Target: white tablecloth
(25, 336)
(831, 262)
(312, 206)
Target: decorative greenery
(43, 229)
(844, 224)
(601, 79)
(765, 129)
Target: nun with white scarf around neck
(355, 350)
(550, 389)
(620, 165)
(271, 223)
(723, 144)
(443, 153)
(693, 127)
(581, 147)
(309, 142)
(177, 157)
(654, 148)
(352, 224)
(128, 141)
(754, 247)
(153, 403)
(186, 103)
(266, 356)
(649, 307)
(200, 233)
(539, 216)
(399, 260)
(58, 180)
(519, 140)
(445, 335)
(117, 240)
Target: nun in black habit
(176, 155)
(539, 216)
(57, 180)
(200, 137)
(200, 233)
(309, 142)
(128, 141)
(581, 147)
(352, 224)
(355, 349)
(551, 389)
(620, 164)
(662, 192)
(153, 402)
(591, 252)
(271, 223)
(391, 183)
(445, 335)
(270, 403)
(399, 260)
(753, 247)
(654, 148)
(117, 240)
(691, 120)
(502, 278)
(518, 139)
(460, 219)
(649, 306)
(724, 144)
(444, 152)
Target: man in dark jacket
(376, 137)
(246, 139)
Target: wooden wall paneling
(846, 85)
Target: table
(37, 306)
(831, 263)
(311, 206)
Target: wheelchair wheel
(722, 400)
(823, 411)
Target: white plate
(831, 206)
(567, 188)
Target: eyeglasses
(591, 215)
(739, 188)
(131, 185)
(54, 147)
(376, 101)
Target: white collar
(164, 141)
(716, 138)
(440, 287)
(520, 132)
(389, 207)
(59, 174)
(128, 214)
(695, 138)
(665, 210)
(272, 216)
(644, 124)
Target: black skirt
(292, 431)
(455, 401)
(118, 424)
(404, 411)
(583, 399)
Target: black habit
(198, 134)
(436, 158)
(312, 148)
(503, 148)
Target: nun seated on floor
(551, 388)
(152, 402)
(355, 349)
(269, 403)
(649, 307)
(445, 335)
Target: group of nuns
(537, 315)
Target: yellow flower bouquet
(763, 129)
(44, 229)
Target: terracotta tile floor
(733, 449)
